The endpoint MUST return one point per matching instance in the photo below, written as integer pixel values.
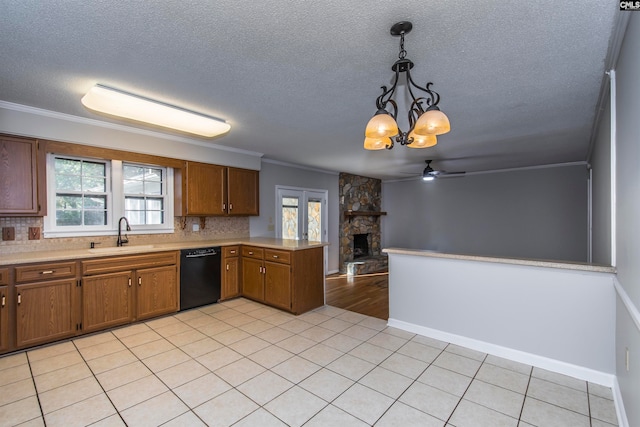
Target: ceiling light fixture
(425, 118)
(122, 104)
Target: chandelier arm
(382, 100)
(434, 98)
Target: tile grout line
(35, 388)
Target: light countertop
(530, 262)
(100, 251)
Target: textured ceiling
(297, 81)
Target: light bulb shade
(422, 141)
(381, 125)
(376, 143)
(432, 122)
(114, 102)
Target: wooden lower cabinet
(230, 271)
(252, 279)
(277, 285)
(45, 311)
(157, 291)
(291, 280)
(4, 318)
(107, 300)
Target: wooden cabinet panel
(243, 192)
(252, 252)
(45, 311)
(203, 189)
(277, 288)
(230, 277)
(230, 251)
(275, 255)
(157, 291)
(307, 278)
(252, 279)
(4, 318)
(54, 270)
(107, 300)
(129, 262)
(4, 276)
(22, 191)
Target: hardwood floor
(366, 294)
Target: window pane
(68, 202)
(135, 217)
(153, 174)
(93, 169)
(134, 203)
(95, 202)
(67, 166)
(133, 172)
(153, 188)
(313, 220)
(94, 185)
(290, 201)
(95, 217)
(154, 204)
(66, 218)
(154, 217)
(68, 183)
(133, 187)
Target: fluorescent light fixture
(117, 103)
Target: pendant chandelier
(425, 118)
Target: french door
(301, 214)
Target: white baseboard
(617, 399)
(586, 374)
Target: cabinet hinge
(79, 283)
(80, 325)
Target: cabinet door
(157, 291)
(204, 189)
(230, 279)
(107, 300)
(4, 318)
(252, 279)
(19, 184)
(45, 311)
(278, 285)
(243, 191)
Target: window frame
(115, 201)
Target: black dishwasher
(199, 277)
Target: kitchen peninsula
(554, 315)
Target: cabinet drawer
(129, 262)
(252, 252)
(230, 251)
(45, 271)
(4, 276)
(275, 255)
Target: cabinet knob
(232, 252)
(227, 267)
(275, 256)
(139, 281)
(230, 206)
(250, 252)
(129, 281)
(19, 299)
(47, 272)
(4, 301)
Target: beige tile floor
(244, 364)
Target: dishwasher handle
(201, 255)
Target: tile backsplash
(211, 228)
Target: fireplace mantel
(349, 214)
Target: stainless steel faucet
(121, 241)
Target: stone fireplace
(360, 216)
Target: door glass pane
(290, 218)
(314, 216)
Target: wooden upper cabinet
(22, 177)
(243, 191)
(204, 189)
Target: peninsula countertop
(517, 261)
(53, 255)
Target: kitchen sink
(121, 249)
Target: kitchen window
(90, 195)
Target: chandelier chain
(403, 53)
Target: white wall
(273, 174)
(557, 319)
(628, 217)
(601, 199)
(532, 213)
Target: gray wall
(601, 191)
(272, 174)
(534, 213)
(628, 218)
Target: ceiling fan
(429, 174)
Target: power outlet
(8, 233)
(195, 227)
(34, 233)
